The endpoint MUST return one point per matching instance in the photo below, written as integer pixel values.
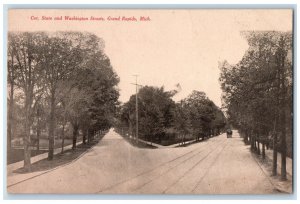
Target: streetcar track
(198, 183)
(194, 166)
(153, 169)
(168, 170)
(141, 174)
(180, 164)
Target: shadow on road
(194, 142)
(59, 159)
(139, 144)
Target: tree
(257, 91)
(11, 80)
(182, 122)
(219, 121)
(90, 95)
(155, 112)
(70, 71)
(59, 57)
(25, 48)
(161, 118)
(201, 113)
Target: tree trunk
(283, 123)
(51, 126)
(252, 142)
(84, 132)
(75, 134)
(28, 90)
(26, 140)
(283, 147)
(247, 138)
(130, 130)
(11, 106)
(258, 147)
(276, 125)
(63, 136)
(10, 121)
(274, 169)
(38, 129)
(89, 136)
(28, 118)
(263, 150)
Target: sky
(174, 46)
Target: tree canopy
(257, 91)
(65, 71)
(161, 118)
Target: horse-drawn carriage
(229, 133)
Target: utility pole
(136, 109)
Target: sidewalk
(289, 162)
(13, 178)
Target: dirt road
(215, 166)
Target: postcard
(188, 101)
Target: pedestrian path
(289, 162)
(20, 177)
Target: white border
(111, 2)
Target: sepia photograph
(150, 101)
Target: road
(215, 166)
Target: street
(215, 166)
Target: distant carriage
(229, 133)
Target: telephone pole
(136, 109)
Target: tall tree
(90, 95)
(155, 112)
(201, 113)
(182, 121)
(40, 63)
(11, 81)
(26, 47)
(160, 116)
(59, 58)
(257, 90)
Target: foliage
(65, 71)
(257, 91)
(160, 117)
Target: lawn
(16, 154)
